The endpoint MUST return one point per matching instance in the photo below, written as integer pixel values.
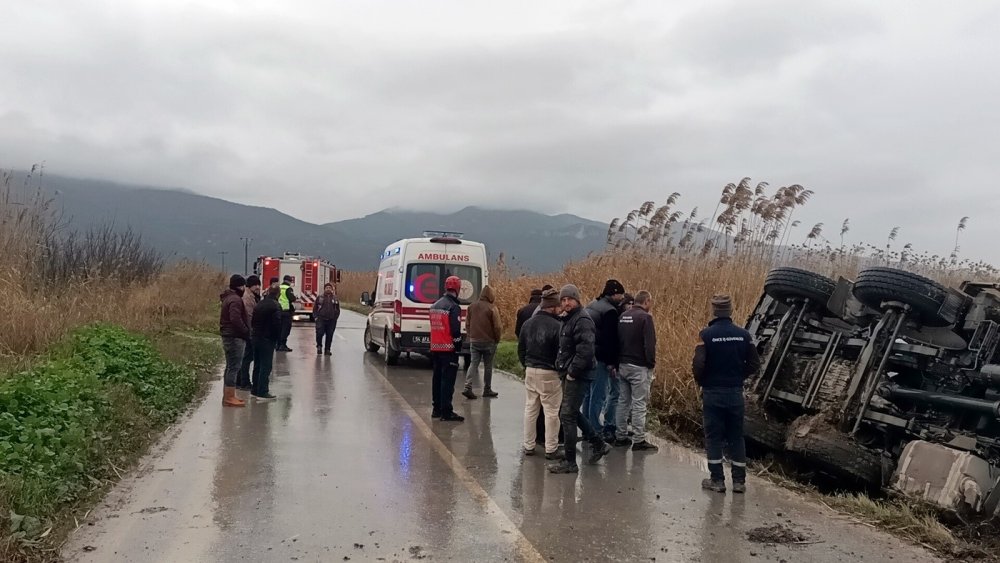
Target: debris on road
(776, 534)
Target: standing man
(286, 299)
(637, 342)
(234, 332)
(266, 332)
(483, 326)
(722, 361)
(602, 399)
(538, 349)
(576, 367)
(250, 299)
(446, 343)
(326, 311)
(525, 313)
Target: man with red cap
(446, 343)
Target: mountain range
(184, 225)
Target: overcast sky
(889, 111)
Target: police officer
(446, 343)
(286, 300)
(725, 357)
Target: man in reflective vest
(446, 343)
(286, 300)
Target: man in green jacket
(286, 300)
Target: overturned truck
(888, 380)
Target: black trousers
(443, 381)
(324, 333)
(571, 417)
(263, 361)
(286, 328)
(243, 377)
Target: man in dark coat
(525, 313)
(266, 333)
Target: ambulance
(411, 278)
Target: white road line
(340, 336)
(525, 550)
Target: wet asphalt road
(347, 465)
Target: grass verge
(74, 421)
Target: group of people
(254, 324)
(588, 370)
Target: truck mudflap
(950, 478)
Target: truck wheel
(786, 283)
(762, 434)
(370, 344)
(927, 298)
(837, 454)
(391, 353)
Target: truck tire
(926, 297)
(391, 353)
(370, 344)
(837, 454)
(786, 283)
(762, 434)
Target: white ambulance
(411, 278)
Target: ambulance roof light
(443, 234)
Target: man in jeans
(326, 311)
(251, 296)
(234, 332)
(637, 339)
(538, 349)
(602, 397)
(576, 365)
(722, 361)
(266, 333)
(483, 326)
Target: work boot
(452, 417)
(528, 453)
(563, 467)
(560, 453)
(739, 488)
(264, 398)
(435, 413)
(713, 485)
(490, 393)
(621, 442)
(229, 398)
(610, 436)
(644, 446)
(327, 353)
(600, 450)
(319, 350)
(468, 394)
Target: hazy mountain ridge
(182, 224)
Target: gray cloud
(887, 111)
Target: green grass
(71, 423)
(507, 358)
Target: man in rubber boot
(286, 299)
(446, 343)
(576, 364)
(485, 331)
(723, 359)
(235, 332)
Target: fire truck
(309, 274)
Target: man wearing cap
(576, 365)
(602, 398)
(723, 359)
(446, 343)
(525, 313)
(251, 296)
(538, 349)
(286, 299)
(234, 331)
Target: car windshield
(425, 282)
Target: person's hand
(570, 377)
(614, 372)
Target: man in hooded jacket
(484, 329)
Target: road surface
(348, 466)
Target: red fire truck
(309, 274)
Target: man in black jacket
(722, 361)
(538, 349)
(576, 364)
(602, 398)
(266, 333)
(525, 313)
(637, 358)
(326, 311)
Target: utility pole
(223, 254)
(246, 254)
